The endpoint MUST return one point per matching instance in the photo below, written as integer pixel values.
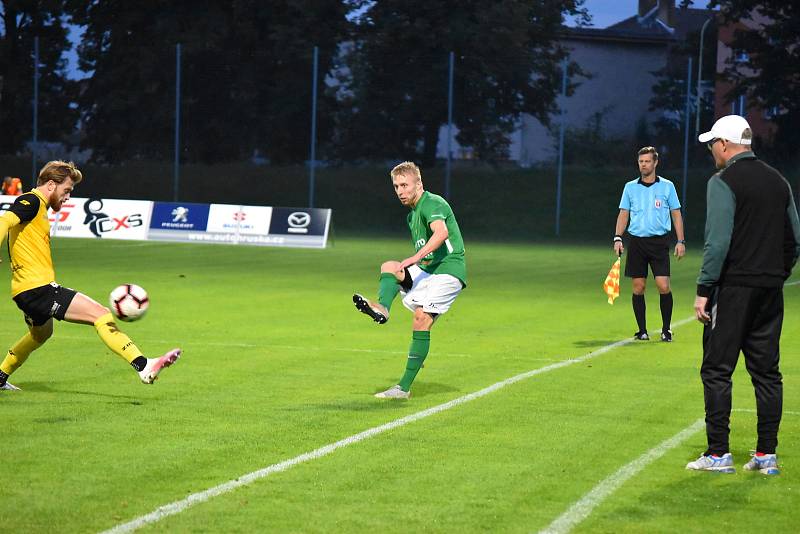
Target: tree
(767, 70)
(507, 63)
(246, 70)
(669, 94)
(22, 21)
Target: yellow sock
(116, 340)
(19, 353)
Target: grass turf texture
(277, 363)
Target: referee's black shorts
(644, 251)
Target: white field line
(299, 348)
(747, 410)
(581, 509)
(288, 347)
(179, 506)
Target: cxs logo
(99, 223)
(298, 222)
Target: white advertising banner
(245, 220)
(201, 223)
(103, 218)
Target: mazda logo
(299, 219)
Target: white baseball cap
(731, 128)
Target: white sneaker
(9, 387)
(766, 464)
(156, 365)
(393, 392)
(711, 462)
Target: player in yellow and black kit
(33, 285)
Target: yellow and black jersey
(28, 242)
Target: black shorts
(42, 303)
(644, 251)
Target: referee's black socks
(666, 311)
(639, 310)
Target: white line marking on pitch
(226, 487)
(300, 348)
(581, 509)
(747, 410)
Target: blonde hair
(58, 171)
(649, 150)
(407, 168)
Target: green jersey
(449, 257)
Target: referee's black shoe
(641, 336)
(666, 335)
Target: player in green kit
(430, 280)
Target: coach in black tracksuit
(752, 241)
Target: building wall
(620, 88)
(755, 115)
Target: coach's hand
(680, 250)
(700, 310)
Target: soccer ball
(129, 302)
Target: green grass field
(277, 363)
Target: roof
(686, 21)
(647, 29)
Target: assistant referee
(650, 203)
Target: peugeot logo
(298, 222)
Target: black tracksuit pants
(747, 319)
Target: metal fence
(179, 117)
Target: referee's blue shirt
(649, 206)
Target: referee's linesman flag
(611, 285)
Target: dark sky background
(607, 12)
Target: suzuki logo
(298, 222)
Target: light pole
(700, 77)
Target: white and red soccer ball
(129, 302)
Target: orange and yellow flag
(611, 285)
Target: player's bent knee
(40, 335)
(390, 267)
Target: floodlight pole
(35, 138)
(449, 126)
(313, 155)
(686, 133)
(561, 143)
(700, 77)
(176, 165)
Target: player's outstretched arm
(7, 221)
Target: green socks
(420, 344)
(388, 288)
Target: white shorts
(434, 293)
